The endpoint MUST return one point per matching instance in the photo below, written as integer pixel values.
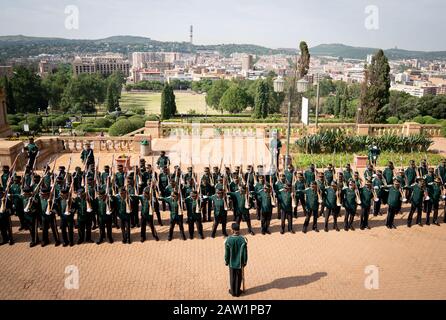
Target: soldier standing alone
(236, 258)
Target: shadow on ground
(287, 282)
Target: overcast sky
(416, 25)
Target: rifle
(8, 185)
(50, 204)
(67, 173)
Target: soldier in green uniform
(175, 216)
(378, 185)
(434, 191)
(388, 173)
(373, 154)
(83, 217)
(123, 209)
(310, 175)
(32, 151)
(194, 215)
(119, 178)
(87, 155)
(236, 258)
(416, 200)
(350, 205)
(279, 185)
(104, 205)
(27, 176)
(105, 175)
(331, 203)
(31, 213)
(329, 174)
(16, 189)
(48, 212)
(357, 180)
(163, 161)
(369, 172)
(299, 193)
(134, 201)
(5, 218)
(241, 207)
(348, 172)
(92, 198)
(394, 201)
(258, 187)
(289, 173)
(266, 207)
(321, 189)
(147, 214)
(366, 203)
(77, 178)
(423, 169)
(312, 203)
(5, 177)
(441, 171)
(163, 182)
(220, 212)
(428, 181)
(66, 211)
(286, 210)
(206, 191)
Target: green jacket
(330, 198)
(411, 175)
(218, 205)
(366, 197)
(239, 203)
(285, 200)
(417, 196)
(347, 175)
(173, 207)
(350, 199)
(191, 205)
(312, 200)
(265, 201)
(388, 175)
(236, 251)
(328, 174)
(394, 199)
(162, 161)
(309, 177)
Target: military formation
(63, 202)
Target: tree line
(27, 92)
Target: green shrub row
(339, 141)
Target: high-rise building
(247, 62)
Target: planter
(145, 148)
(125, 161)
(360, 161)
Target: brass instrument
(293, 195)
(403, 195)
(426, 194)
(375, 195)
(338, 197)
(358, 197)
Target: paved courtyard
(411, 265)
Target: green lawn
(152, 102)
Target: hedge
(122, 127)
(102, 123)
(330, 142)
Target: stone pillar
(5, 130)
(412, 128)
(362, 129)
(153, 128)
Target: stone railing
(99, 144)
(171, 129)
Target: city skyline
(281, 24)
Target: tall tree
(234, 100)
(28, 92)
(168, 104)
(215, 93)
(55, 85)
(303, 64)
(375, 90)
(261, 100)
(11, 107)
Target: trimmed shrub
(121, 118)
(34, 122)
(102, 123)
(392, 120)
(122, 127)
(16, 128)
(430, 120)
(152, 117)
(13, 119)
(418, 119)
(137, 121)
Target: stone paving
(411, 264)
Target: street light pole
(317, 102)
(287, 158)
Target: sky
(412, 25)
